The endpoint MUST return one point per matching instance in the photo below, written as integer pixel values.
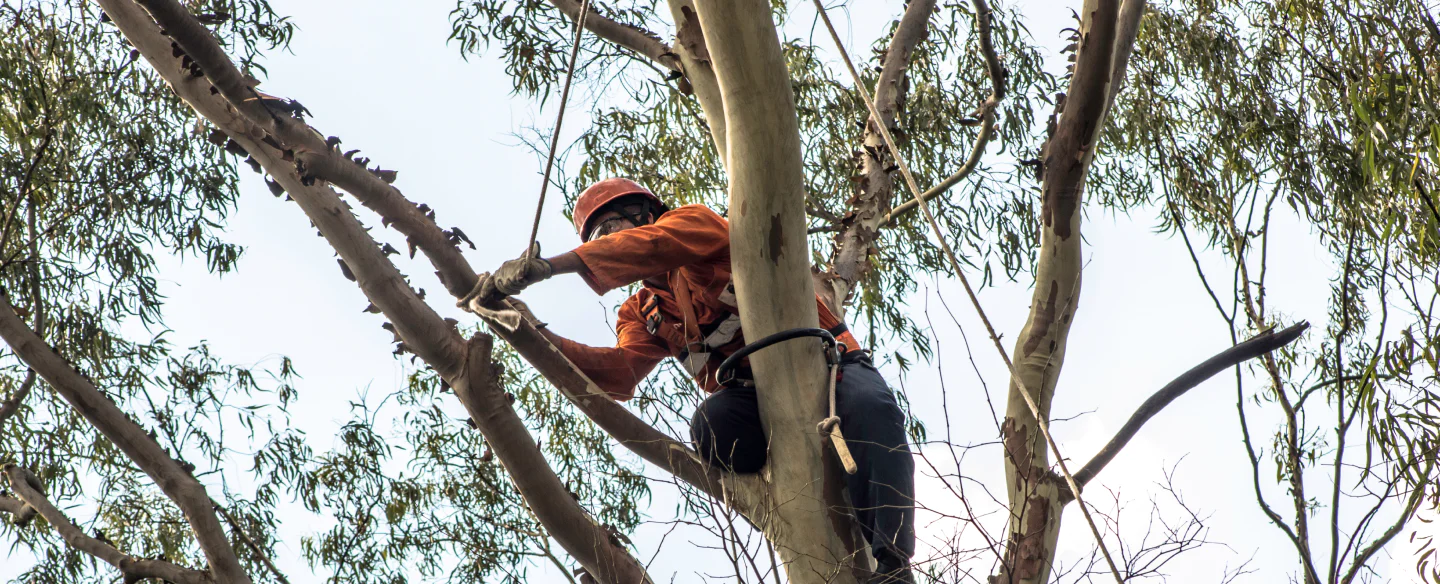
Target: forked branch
(996, 71)
(29, 490)
(1254, 347)
(176, 482)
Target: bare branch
(627, 36)
(28, 488)
(983, 27)
(1254, 347)
(177, 483)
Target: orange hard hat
(602, 193)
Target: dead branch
(624, 35)
(177, 483)
(28, 488)
(1254, 347)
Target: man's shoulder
(696, 212)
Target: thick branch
(421, 329)
(624, 35)
(420, 229)
(699, 74)
(479, 390)
(20, 513)
(876, 163)
(177, 484)
(27, 487)
(1250, 349)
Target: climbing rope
(950, 254)
(559, 119)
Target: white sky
(380, 75)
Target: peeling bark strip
(1032, 555)
(874, 181)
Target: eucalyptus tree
(1211, 112)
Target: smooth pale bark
(771, 264)
(423, 331)
(699, 74)
(1036, 495)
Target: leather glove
(513, 277)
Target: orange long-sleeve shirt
(691, 247)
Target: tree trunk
(1036, 495)
(772, 280)
(699, 74)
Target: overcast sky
(381, 76)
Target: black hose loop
(726, 372)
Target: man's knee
(727, 431)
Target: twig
(250, 543)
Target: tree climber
(686, 309)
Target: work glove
(512, 277)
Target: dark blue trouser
(727, 431)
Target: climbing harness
(830, 426)
(559, 119)
(954, 264)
